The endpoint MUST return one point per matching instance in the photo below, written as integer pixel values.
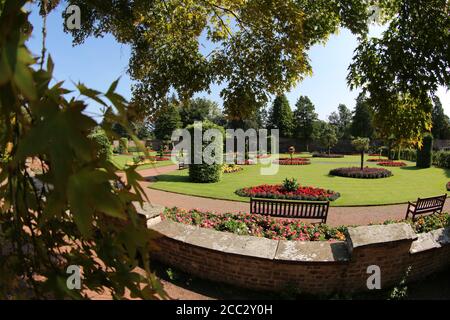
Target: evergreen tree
(441, 127)
(305, 116)
(281, 116)
(362, 125)
(167, 119)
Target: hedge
(441, 159)
(424, 154)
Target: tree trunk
(329, 150)
(362, 160)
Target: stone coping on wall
(313, 266)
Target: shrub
(391, 164)
(123, 145)
(408, 154)
(441, 159)
(424, 154)
(206, 173)
(326, 155)
(366, 173)
(279, 192)
(105, 149)
(290, 185)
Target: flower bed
(285, 229)
(256, 225)
(326, 155)
(366, 173)
(391, 164)
(157, 158)
(279, 192)
(293, 161)
(230, 168)
(377, 160)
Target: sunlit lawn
(406, 184)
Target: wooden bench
(182, 165)
(317, 210)
(426, 205)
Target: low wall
(314, 267)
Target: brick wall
(312, 267)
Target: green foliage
(304, 118)
(290, 185)
(424, 153)
(341, 121)
(199, 109)
(123, 145)
(234, 226)
(254, 53)
(80, 218)
(327, 136)
(441, 159)
(408, 154)
(281, 116)
(204, 172)
(362, 121)
(104, 145)
(361, 145)
(441, 122)
(167, 119)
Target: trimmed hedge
(206, 173)
(424, 154)
(105, 149)
(366, 173)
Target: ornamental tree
(362, 121)
(281, 116)
(361, 145)
(328, 137)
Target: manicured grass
(407, 184)
(121, 161)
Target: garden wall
(312, 267)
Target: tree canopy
(341, 120)
(441, 122)
(258, 48)
(362, 120)
(304, 116)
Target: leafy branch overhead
(71, 212)
(253, 48)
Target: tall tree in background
(362, 125)
(341, 121)
(441, 122)
(328, 136)
(167, 119)
(304, 118)
(199, 109)
(281, 116)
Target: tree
(259, 47)
(410, 61)
(361, 145)
(167, 119)
(327, 136)
(440, 121)
(281, 116)
(341, 121)
(71, 213)
(362, 125)
(305, 116)
(199, 109)
(424, 154)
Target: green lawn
(407, 183)
(121, 161)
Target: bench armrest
(412, 204)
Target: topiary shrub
(105, 149)
(424, 154)
(204, 172)
(123, 145)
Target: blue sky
(99, 61)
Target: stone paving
(336, 215)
